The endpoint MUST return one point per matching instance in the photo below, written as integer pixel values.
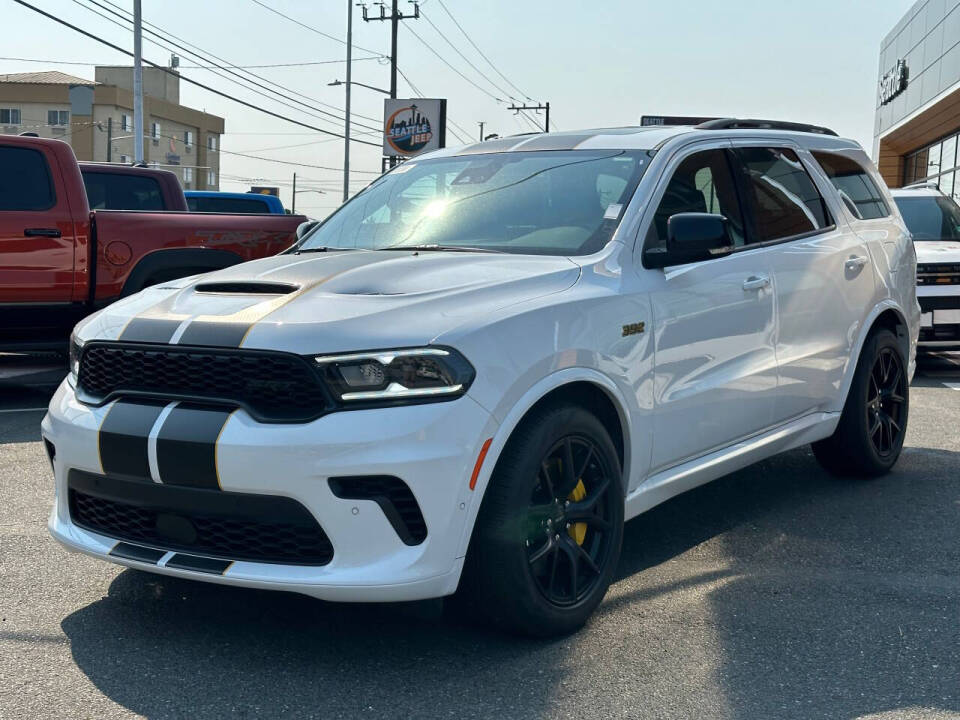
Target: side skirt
(666, 484)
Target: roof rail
(738, 124)
(921, 184)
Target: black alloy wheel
(567, 533)
(886, 400)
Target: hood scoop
(246, 288)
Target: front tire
(870, 435)
(548, 535)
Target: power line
(313, 29)
(444, 61)
(184, 50)
(182, 77)
(482, 54)
(449, 119)
(192, 67)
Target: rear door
(36, 228)
(714, 324)
(821, 271)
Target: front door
(715, 370)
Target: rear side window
(122, 191)
(25, 181)
(784, 200)
(702, 183)
(227, 205)
(855, 186)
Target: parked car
(59, 260)
(129, 187)
(933, 219)
(221, 202)
(475, 370)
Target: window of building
(935, 165)
(126, 122)
(25, 183)
(58, 117)
(124, 159)
(784, 199)
(112, 191)
(188, 174)
(212, 143)
(9, 116)
(188, 139)
(702, 183)
(854, 185)
(211, 178)
(155, 131)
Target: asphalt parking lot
(776, 592)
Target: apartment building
(96, 118)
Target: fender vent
(393, 496)
(247, 288)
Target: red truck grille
(271, 386)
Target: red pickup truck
(60, 261)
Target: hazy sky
(599, 63)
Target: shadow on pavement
(830, 599)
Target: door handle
(42, 232)
(756, 282)
(855, 262)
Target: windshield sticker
(613, 211)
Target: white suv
(472, 373)
(933, 220)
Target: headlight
(75, 347)
(395, 377)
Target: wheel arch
(585, 386)
(165, 261)
(887, 315)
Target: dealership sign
(411, 127)
(894, 82)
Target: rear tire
(548, 535)
(869, 437)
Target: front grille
(938, 274)
(394, 497)
(272, 386)
(233, 526)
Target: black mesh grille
(394, 497)
(272, 386)
(287, 533)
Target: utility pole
(293, 203)
(394, 17)
(481, 124)
(137, 84)
(537, 108)
(346, 120)
(109, 139)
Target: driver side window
(702, 183)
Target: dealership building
(918, 98)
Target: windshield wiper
(442, 248)
(321, 248)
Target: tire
(869, 437)
(505, 579)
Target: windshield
(546, 203)
(930, 218)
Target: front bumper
(939, 316)
(432, 448)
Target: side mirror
(692, 237)
(305, 227)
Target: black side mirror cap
(692, 237)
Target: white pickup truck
(933, 219)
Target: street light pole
(346, 121)
(137, 84)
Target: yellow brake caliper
(578, 531)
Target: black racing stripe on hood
(187, 446)
(150, 329)
(123, 437)
(215, 334)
